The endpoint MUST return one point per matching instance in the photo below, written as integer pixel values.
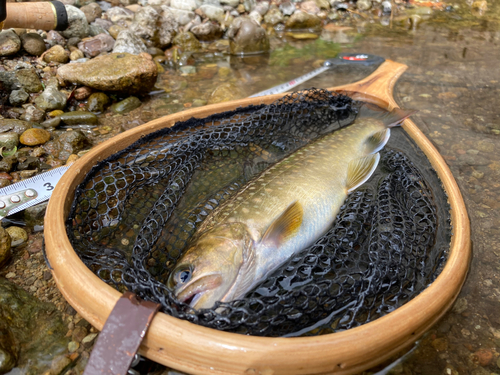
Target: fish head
(210, 267)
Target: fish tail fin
(397, 116)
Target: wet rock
(231, 3)
(187, 42)
(91, 11)
(144, 24)
(167, 27)
(115, 30)
(80, 93)
(16, 126)
(53, 37)
(460, 305)
(188, 69)
(120, 72)
(215, 13)
(8, 350)
(310, 7)
(33, 114)
(484, 357)
(51, 123)
(249, 4)
(303, 20)
(37, 327)
(78, 118)
(89, 340)
(59, 364)
(18, 236)
(18, 97)
(9, 140)
(35, 215)
(190, 5)
(479, 7)
(105, 24)
(51, 99)
(33, 44)
(261, 7)
(287, 8)
(98, 102)
(69, 143)
(92, 47)
(246, 36)
(117, 14)
(34, 137)
(29, 80)
(78, 25)
(207, 31)
(255, 16)
(79, 334)
(7, 164)
(126, 105)
(274, 16)
(5, 244)
(224, 93)
(56, 54)
(9, 43)
(128, 42)
(28, 163)
(363, 4)
(182, 17)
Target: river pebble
(303, 20)
(92, 11)
(9, 140)
(34, 137)
(98, 102)
(207, 31)
(17, 235)
(78, 25)
(128, 42)
(56, 54)
(18, 97)
(187, 42)
(247, 36)
(92, 47)
(5, 245)
(51, 99)
(9, 43)
(33, 44)
(32, 114)
(126, 105)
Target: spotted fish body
(279, 213)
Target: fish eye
(182, 275)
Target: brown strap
(121, 336)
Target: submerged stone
(247, 36)
(18, 236)
(119, 72)
(126, 105)
(17, 126)
(187, 42)
(303, 20)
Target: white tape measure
(27, 193)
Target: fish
(280, 212)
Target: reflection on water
(453, 80)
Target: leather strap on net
(121, 336)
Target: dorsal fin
(377, 141)
(360, 170)
(285, 226)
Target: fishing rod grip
(34, 15)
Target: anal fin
(285, 226)
(360, 170)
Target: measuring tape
(27, 193)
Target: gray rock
(97, 102)
(302, 20)
(91, 11)
(9, 43)
(29, 80)
(105, 24)
(51, 99)
(18, 97)
(183, 17)
(33, 114)
(35, 215)
(92, 47)
(73, 41)
(129, 42)
(215, 13)
(9, 140)
(78, 25)
(95, 30)
(273, 16)
(207, 31)
(167, 26)
(72, 142)
(33, 44)
(144, 24)
(247, 36)
(17, 126)
(7, 164)
(255, 16)
(188, 69)
(190, 5)
(117, 14)
(287, 8)
(262, 7)
(53, 37)
(249, 5)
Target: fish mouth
(192, 292)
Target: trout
(280, 212)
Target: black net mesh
(135, 212)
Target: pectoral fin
(285, 226)
(377, 141)
(360, 170)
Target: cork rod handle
(37, 15)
